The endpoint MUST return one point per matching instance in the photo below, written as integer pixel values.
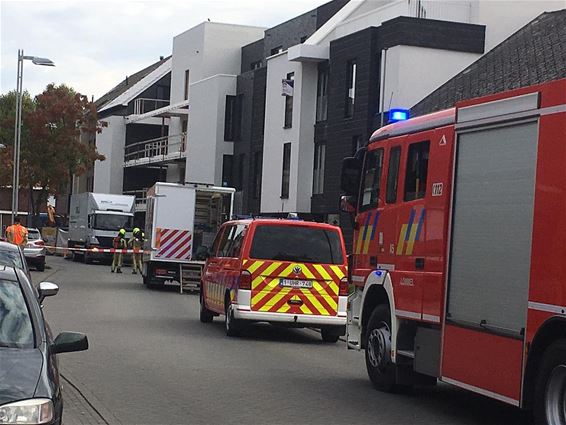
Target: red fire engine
(459, 252)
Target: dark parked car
(30, 390)
(12, 256)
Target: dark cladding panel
(251, 54)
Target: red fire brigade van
(279, 271)
(459, 251)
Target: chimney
(126, 80)
(161, 58)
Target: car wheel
(76, 256)
(231, 324)
(206, 316)
(380, 368)
(87, 258)
(550, 386)
(329, 336)
(41, 266)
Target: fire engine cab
(459, 253)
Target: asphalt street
(151, 361)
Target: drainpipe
(382, 88)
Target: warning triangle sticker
(442, 141)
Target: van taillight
(343, 288)
(245, 280)
(40, 243)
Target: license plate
(291, 283)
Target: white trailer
(181, 223)
(95, 219)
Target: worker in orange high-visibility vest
(17, 234)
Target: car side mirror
(47, 289)
(68, 342)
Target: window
(322, 96)
(297, 244)
(186, 84)
(318, 176)
(255, 65)
(350, 89)
(286, 171)
(371, 179)
(356, 144)
(417, 168)
(276, 50)
(16, 329)
(231, 243)
(257, 174)
(230, 118)
(393, 175)
(240, 172)
(289, 104)
(227, 164)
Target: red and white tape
(100, 250)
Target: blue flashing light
(398, 115)
(378, 272)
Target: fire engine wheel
(232, 325)
(206, 316)
(550, 388)
(380, 369)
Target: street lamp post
(18, 124)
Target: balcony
(144, 105)
(153, 151)
(141, 199)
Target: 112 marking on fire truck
(471, 204)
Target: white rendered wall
(109, 174)
(300, 135)
(414, 72)
(205, 140)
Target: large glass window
(322, 96)
(16, 330)
(371, 179)
(257, 174)
(289, 101)
(350, 89)
(297, 243)
(286, 172)
(227, 164)
(187, 85)
(417, 170)
(231, 243)
(232, 118)
(393, 175)
(318, 175)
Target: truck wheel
(206, 316)
(550, 386)
(232, 325)
(329, 336)
(380, 368)
(76, 256)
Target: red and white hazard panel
(174, 244)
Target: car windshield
(113, 222)
(33, 235)
(16, 330)
(297, 243)
(11, 258)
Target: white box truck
(180, 226)
(94, 221)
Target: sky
(96, 44)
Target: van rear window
(297, 243)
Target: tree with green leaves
(51, 150)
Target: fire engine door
(490, 256)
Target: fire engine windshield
(299, 243)
(113, 222)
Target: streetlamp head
(42, 61)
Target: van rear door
(296, 269)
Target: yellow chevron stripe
(401, 242)
(322, 271)
(306, 310)
(338, 271)
(367, 241)
(253, 266)
(275, 299)
(411, 241)
(360, 241)
(316, 303)
(271, 285)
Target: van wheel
(550, 386)
(329, 336)
(231, 324)
(206, 316)
(380, 368)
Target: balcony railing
(143, 105)
(161, 149)
(141, 198)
